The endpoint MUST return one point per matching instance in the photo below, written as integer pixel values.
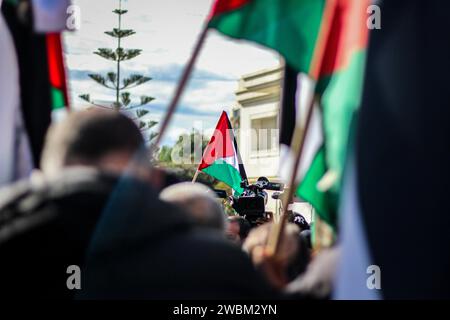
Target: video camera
(251, 204)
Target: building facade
(256, 116)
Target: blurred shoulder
(30, 203)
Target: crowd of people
(99, 205)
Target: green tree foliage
(120, 84)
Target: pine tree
(113, 80)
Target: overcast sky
(166, 32)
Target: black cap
(300, 221)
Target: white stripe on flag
(314, 137)
(15, 159)
(232, 161)
(351, 279)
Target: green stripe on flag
(308, 191)
(339, 102)
(226, 173)
(58, 99)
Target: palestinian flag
(56, 71)
(326, 39)
(221, 158)
(41, 75)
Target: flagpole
(298, 142)
(181, 85)
(195, 176)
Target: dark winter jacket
(128, 244)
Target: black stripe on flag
(238, 154)
(288, 105)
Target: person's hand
(274, 267)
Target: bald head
(197, 200)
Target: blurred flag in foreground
(41, 83)
(15, 159)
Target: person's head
(197, 200)
(238, 229)
(306, 236)
(106, 140)
(299, 220)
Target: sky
(166, 31)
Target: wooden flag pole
(181, 86)
(195, 176)
(298, 142)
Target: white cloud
(166, 32)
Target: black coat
(403, 150)
(128, 243)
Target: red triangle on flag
(221, 144)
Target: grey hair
(199, 201)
